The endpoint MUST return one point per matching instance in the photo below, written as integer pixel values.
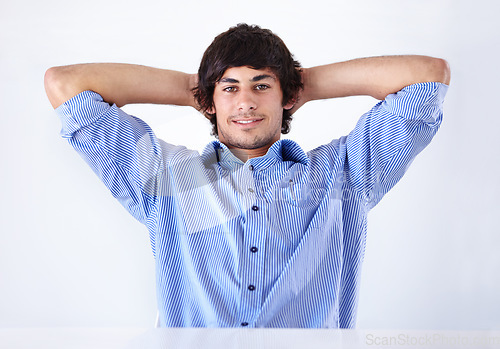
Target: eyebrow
(254, 79)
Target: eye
(229, 89)
(262, 87)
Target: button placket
(247, 185)
(251, 292)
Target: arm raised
(120, 84)
(373, 76)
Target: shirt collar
(282, 150)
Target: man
(253, 232)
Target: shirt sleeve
(387, 138)
(121, 149)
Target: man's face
(248, 104)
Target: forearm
(120, 83)
(374, 76)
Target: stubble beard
(265, 138)
(256, 142)
(247, 143)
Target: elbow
(54, 86)
(440, 71)
(62, 83)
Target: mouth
(247, 122)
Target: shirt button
(250, 190)
(251, 287)
(250, 167)
(255, 208)
(254, 249)
(244, 324)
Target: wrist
(305, 93)
(192, 84)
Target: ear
(208, 112)
(211, 110)
(290, 104)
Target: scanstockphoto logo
(213, 194)
(190, 172)
(432, 340)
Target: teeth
(244, 122)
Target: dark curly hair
(245, 45)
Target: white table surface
(179, 338)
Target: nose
(246, 101)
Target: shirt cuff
(422, 101)
(83, 109)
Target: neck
(245, 154)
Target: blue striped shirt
(277, 241)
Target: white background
(70, 255)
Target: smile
(247, 122)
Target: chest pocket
(304, 195)
(296, 201)
(298, 190)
